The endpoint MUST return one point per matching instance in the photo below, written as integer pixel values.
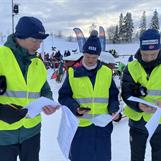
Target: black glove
(139, 90)
(143, 91)
(11, 113)
(3, 84)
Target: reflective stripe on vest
(90, 100)
(153, 85)
(20, 91)
(154, 92)
(95, 98)
(89, 116)
(22, 94)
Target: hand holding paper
(104, 119)
(136, 99)
(146, 108)
(50, 109)
(43, 103)
(153, 123)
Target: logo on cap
(40, 32)
(92, 48)
(150, 42)
(151, 46)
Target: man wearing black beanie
(24, 80)
(89, 91)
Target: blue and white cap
(150, 40)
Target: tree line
(124, 31)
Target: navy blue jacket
(65, 92)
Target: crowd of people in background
(60, 62)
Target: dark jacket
(65, 92)
(24, 59)
(130, 88)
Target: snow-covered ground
(120, 137)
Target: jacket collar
(16, 48)
(148, 66)
(81, 71)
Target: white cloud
(66, 14)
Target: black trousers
(138, 140)
(27, 151)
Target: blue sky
(64, 15)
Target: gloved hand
(3, 84)
(139, 90)
(11, 113)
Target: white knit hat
(107, 58)
(74, 56)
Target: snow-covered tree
(121, 28)
(142, 26)
(111, 33)
(128, 28)
(116, 35)
(155, 21)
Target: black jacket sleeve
(127, 87)
(65, 96)
(113, 98)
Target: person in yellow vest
(89, 91)
(141, 78)
(26, 80)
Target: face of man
(149, 55)
(90, 60)
(31, 44)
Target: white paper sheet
(104, 119)
(135, 99)
(35, 107)
(67, 129)
(153, 123)
(101, 120)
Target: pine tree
(111, 33)
(116, 35)
(142, 26)
(128, 28)
(155, 21)
(121, 24)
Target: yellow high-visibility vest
(153, 85)
(95, 97)
(20, 91)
